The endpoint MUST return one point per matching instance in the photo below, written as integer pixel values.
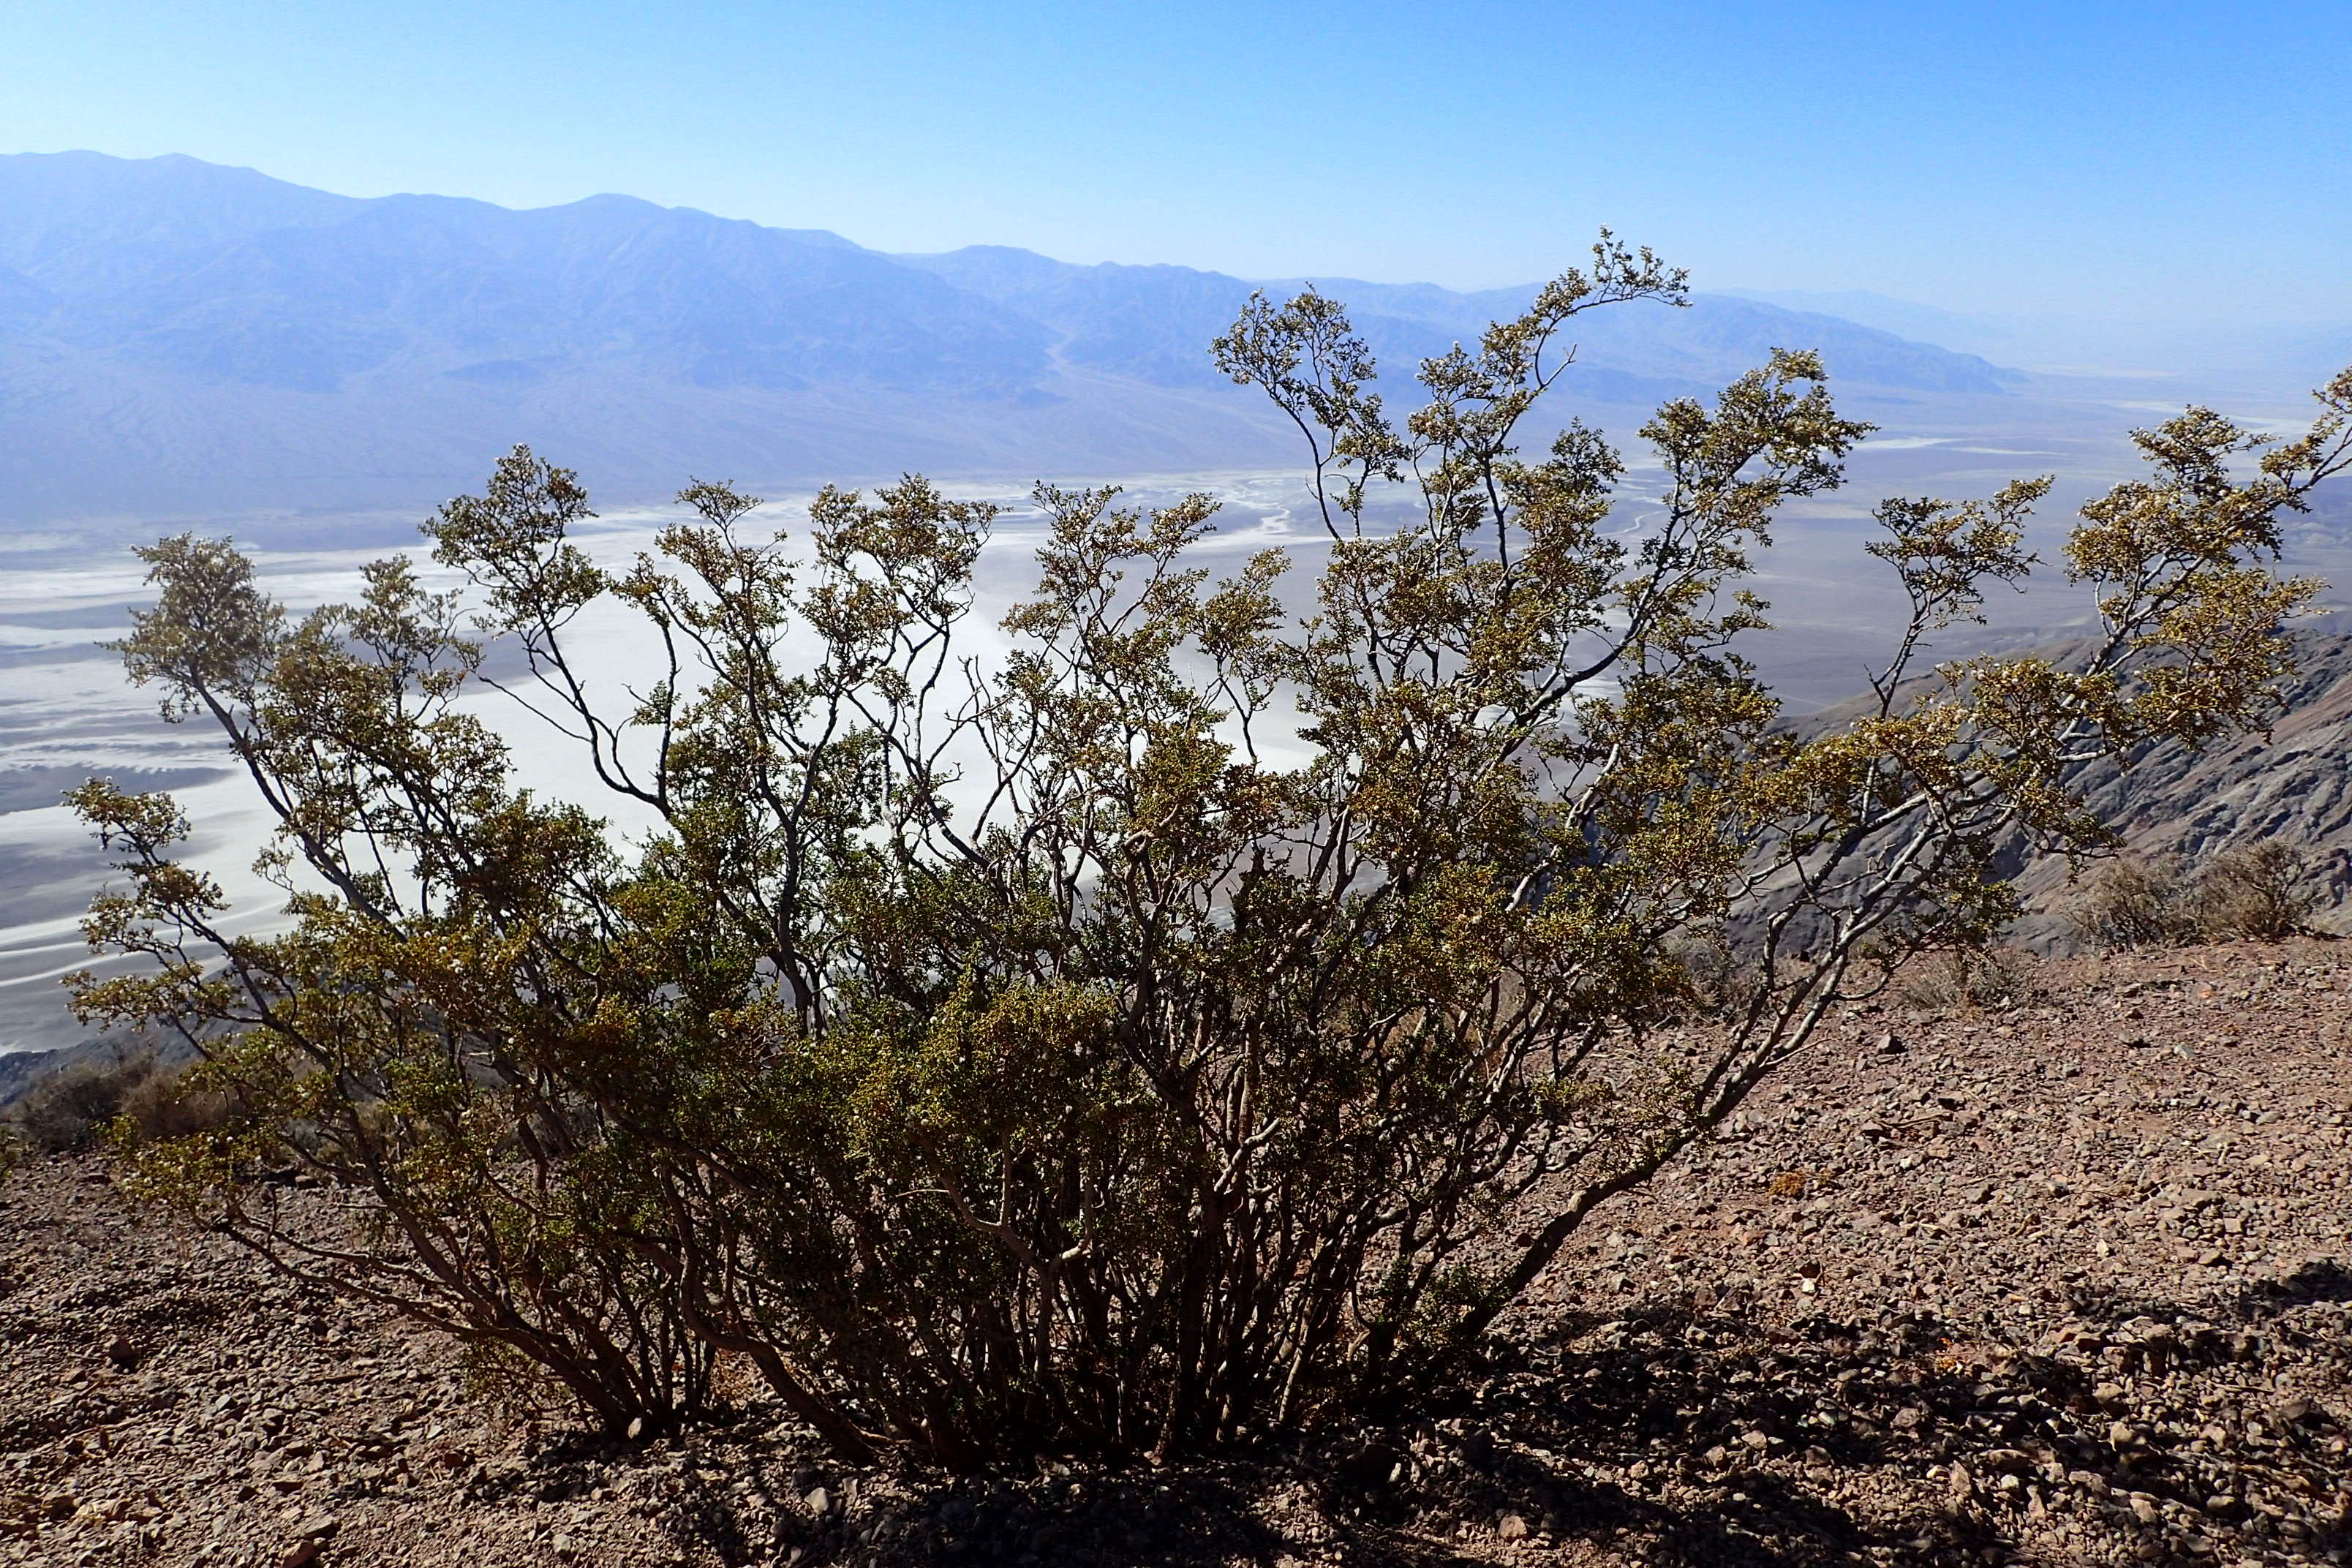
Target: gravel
(2063, 1282)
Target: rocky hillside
(2177, 808)
(2061, 1281)
(2293, 785)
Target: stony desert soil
(2062, 1281)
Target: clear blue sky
(2128, 160)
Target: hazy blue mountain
(1903, 318)
(252, 280)
(97, 223)
(179, 335)
(1718, 335)
(1149, 322)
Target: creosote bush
(1200, 1013)
(133, 1099)
(2129, 903)
(2251, 891)
(71, 1108)
(1982, 977)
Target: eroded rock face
(2177, 808)
(2291, 786)
(2064, 1283)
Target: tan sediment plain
(2060, 1281)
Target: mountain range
(176, 334)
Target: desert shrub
(2254, 891)
(1203, 1013)
(2251, 891)
(133, 1097)
(72, 1108)
(165, 1104)
(1991, 977)
(1715, 982)
(2130, 903)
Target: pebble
(1964, 1346)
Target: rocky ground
(2061, 1281)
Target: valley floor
(2067, 1281)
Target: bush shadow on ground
(1666, 1434)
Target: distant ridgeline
(176, 334)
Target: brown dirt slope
(2066, 1282)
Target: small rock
(1512, 1527)
(301, 1554)
(120, 1349)
(818, 1499)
